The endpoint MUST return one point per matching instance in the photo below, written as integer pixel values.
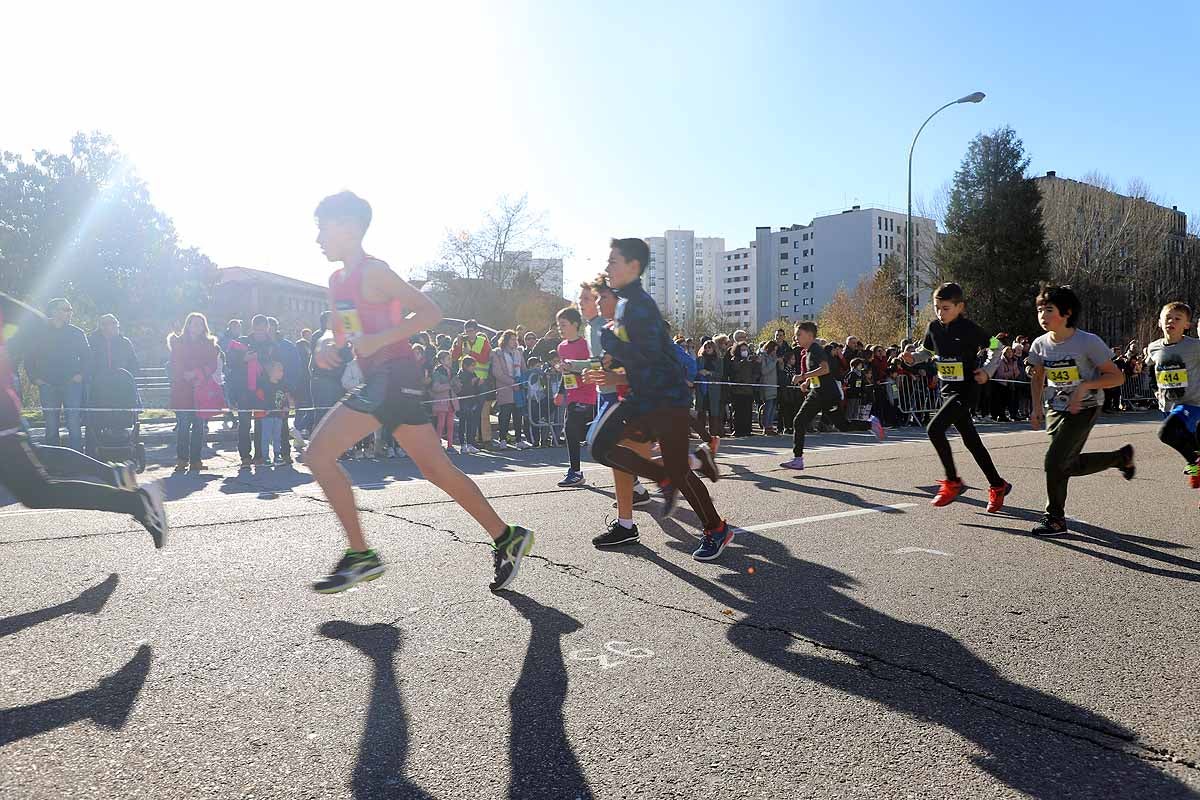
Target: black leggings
(829, 405)
(23, 474)
(1175, 434)
(579, 417)
(956, 412)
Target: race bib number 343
(1062, 376)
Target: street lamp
(910, 278)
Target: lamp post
(910, 278)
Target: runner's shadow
(89, 601)
(767, 483)
(107, 704)
(542, 762)
(1084, 538)
(379, 772)
(802, 618)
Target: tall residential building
(802, 266)
(737, 291)
(681, 275)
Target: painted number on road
(615, 653)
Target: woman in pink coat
(194, 361)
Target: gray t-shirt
(1069, 364)
(1176, 372)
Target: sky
(615, 118)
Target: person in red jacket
(194, 361)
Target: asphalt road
(852, 642)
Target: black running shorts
(394, 394)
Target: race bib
(1065, 376)
(351, 324)
(814, 382)
(570, 381)
(951, 371)
(1172, 378)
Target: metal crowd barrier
(1140, 390)
(546, 420)
(916, 394)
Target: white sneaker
(125, 476)
(523, 445)
(470, 449)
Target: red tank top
(360, 316)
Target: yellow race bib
(570, 381)
(1062, 376)
(1172, 378)
(351, 323)
(951, 371)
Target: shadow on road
(89, 601)
(1029, 739)
(543, 764)
(107, 704)
(383, 748)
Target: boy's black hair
(1063, 298)
(633, 250)
(807, 325)
(344, 207)
(949, 291)
(570, 314)
(857, 362)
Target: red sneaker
(714, 444)
(948, 492)
(996, 495)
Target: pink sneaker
(796, 463)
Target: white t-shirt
(1069, 364)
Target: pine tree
(995, 245)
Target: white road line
(766, 526)
(904, 550)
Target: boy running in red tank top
(375, 312)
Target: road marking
(904, 550)
(614, 648)
(766, 526)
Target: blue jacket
(639, 339)
(689, 362)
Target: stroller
(114, 435)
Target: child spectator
(277, 403)
(470, 403)
(445, 404)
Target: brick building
(241, 292)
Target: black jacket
(639, 338)
(61, 354)
(110, 355)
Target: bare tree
(704, 321)
(1120, 251)
(501, 250)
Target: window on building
(796, 259)
(806, 237)
(880, 257)
(783, 240)
(783, 256)
(784, 304)
(879, 224)
(783, 271)
(783, 287)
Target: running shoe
(708, 465)
(641, 497)
(948, 492)
(125, 476)
(181, 467)
(450, 449)
(877, 428)
(507, 557)
(1128, 468)
(996, 495)
(796, 463)
(196, 466)
(573, 479)
(470, 449)
(352, 568)
(154, 515)
(670, 498)
(1193, 475)
(617, 534)
(1050, 526)
(713, 543)
(247, 462)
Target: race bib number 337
(950, 370)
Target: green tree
(995, 245)
(82, 225)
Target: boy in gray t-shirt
(1176, 362)
(1070, 369)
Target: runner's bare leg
(340, 430)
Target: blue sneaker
(714, 543)
(573, 479)
(796, 463)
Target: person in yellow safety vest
(476, 344)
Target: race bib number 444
(1172, 378)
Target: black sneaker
(670, 498)
(154, 515)
(508, 556)
(616, 534)
(125, 476)
(641, 498)
(708, 464)
(352, 568)
(1050, 526)
(1127, 467)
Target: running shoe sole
(363, 577)
(630, 539)
(156, 513)
(523, 548)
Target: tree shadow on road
(379, 772)
(802, 618)
(543, 763)
(89, 601)
(107, 704)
